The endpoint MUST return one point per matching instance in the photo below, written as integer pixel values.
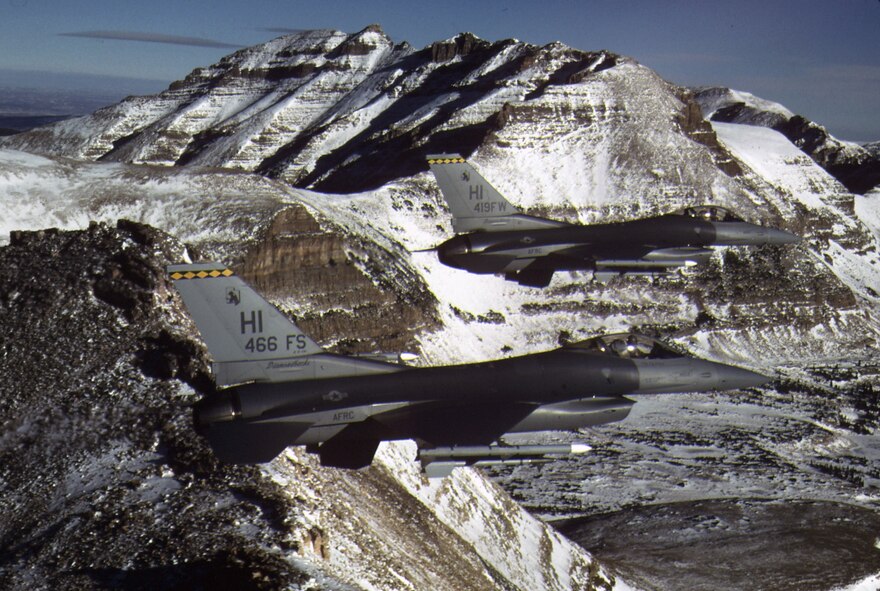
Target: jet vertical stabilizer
(246, 335)
(474, 203)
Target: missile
(439, 462)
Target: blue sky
(818, 58)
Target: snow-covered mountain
(337, 112)
(297, 124)
(857, 167)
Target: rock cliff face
(104, 483)
(313, 269)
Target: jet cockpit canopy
(709, 213)
(628, 346)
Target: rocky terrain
(331, 111)
(301, 162)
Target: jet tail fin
(467, 193)
(475, 204)
(240, 328)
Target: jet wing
(593, 252)
(444, 424)
(432, 423)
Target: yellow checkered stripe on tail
(176, 275)
(446, 161)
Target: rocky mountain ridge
(324, 110)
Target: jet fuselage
(659, 243)
(470, 404)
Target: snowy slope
(202, 207)
(788, 171)
(754, 109)
(857, 167)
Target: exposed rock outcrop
(329, 111)
(458, 46)
(310, 268)
(700, 130)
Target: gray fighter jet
(279, 388)
(495, 237)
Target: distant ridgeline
(12, 124)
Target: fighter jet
(278, 388)
(494, 237)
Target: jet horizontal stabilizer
(531, 277)
(237, 442)
(353, 447)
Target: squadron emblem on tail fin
(246, 335)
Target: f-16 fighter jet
(495, 237)
(279, 388)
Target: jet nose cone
(775, 236)
(737, 378)
(744, 233)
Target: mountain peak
(364, 42)
(458, 46)
(274, 108)
(373, 28)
